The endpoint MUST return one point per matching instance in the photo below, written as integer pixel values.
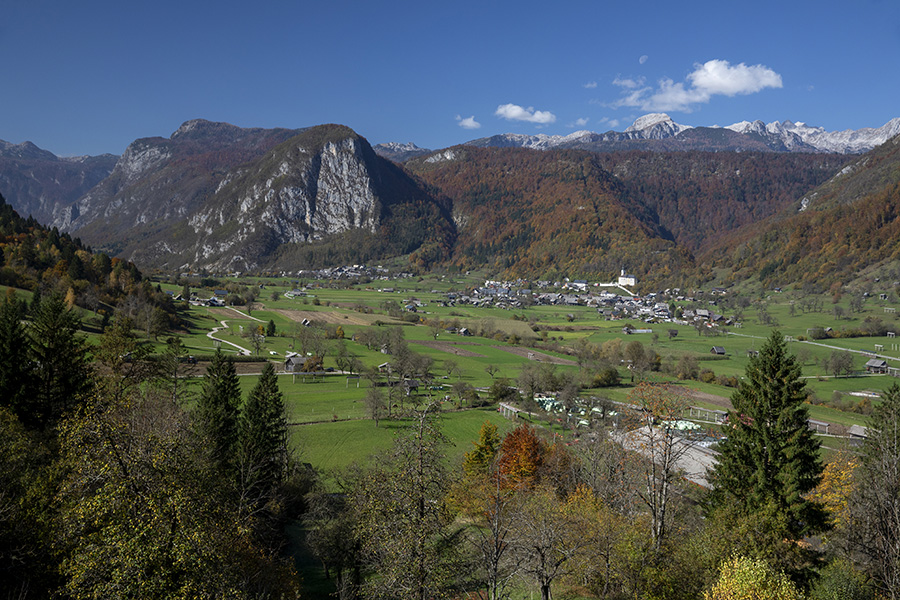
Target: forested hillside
(548, 214)
(849, 227)
(53, 264)
(35, 257)
(702, 197)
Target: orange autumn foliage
(521, 455)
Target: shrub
(607, 377)
(707, 376)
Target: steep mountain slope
(860, 177)
(851, 226)
(159, 181)
(547, 214)
(702, 197)
(320, 196)
(39, 183)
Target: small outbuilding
(718, 350)
(876, 365)
(857, 434)
(294, 364)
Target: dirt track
(451, 347)
(722, 401)
(535, 355)
(331, 317)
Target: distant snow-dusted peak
(656, 126)
(795, 135)
(783, 136)
(400, 147)
(649, 121)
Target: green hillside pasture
(824, 387)
(319, 398)
(333, 446)
(474, 354)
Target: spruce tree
(16, 367)
(873, 530)
(62, 367)
(769, 460)
(218, 410)
(263, 439)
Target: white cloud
(611, 122)
(719, 77)
(712, 78)
(468, 122)
(579, 122)
(629, 84)
(590, 85)
(514, 112)
(643, 59)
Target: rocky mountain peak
(25, 150)
(649, 120)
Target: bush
(707, 376)
(727, 381)
(607, 377)
(743, 578)
(840, 581)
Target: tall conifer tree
(16, 367)
(263, 438)
(770, 460)
(218, 410)
(874, 528)
(62, 367)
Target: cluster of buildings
(349, 272)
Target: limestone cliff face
(300, 193)
(218, 197)
(106, 201)
(158, 181)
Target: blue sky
(90, 77)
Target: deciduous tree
(404, 519)
(545, 538)
(375, 404)
(659, 443)
(144, 516)
(744, 578)
(521, 456)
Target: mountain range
(217, 197)
(658, 132)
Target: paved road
(212, 335)
(863, 352)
